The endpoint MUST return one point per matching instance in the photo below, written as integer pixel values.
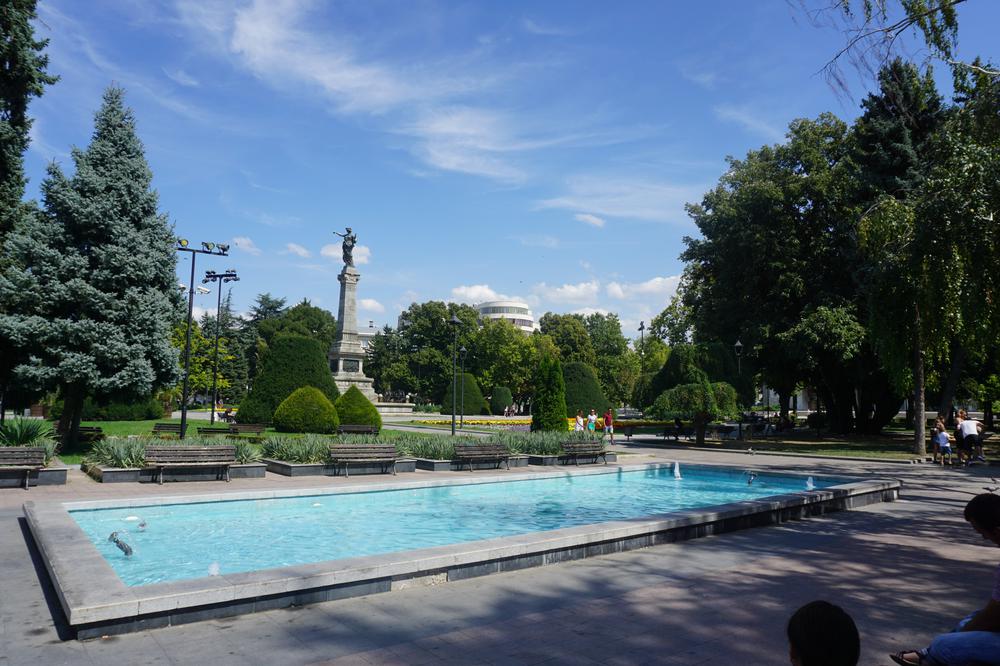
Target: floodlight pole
(219, 279)
(221, 250)
(461, 418)
(455, 322)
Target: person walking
(578, 426)
(592, 422)
(609, 424)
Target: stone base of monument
(394, 408)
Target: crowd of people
(968, 439)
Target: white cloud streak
(635, 199)
(592, 220)
(660, 287)
(370, 305)
(477, 293)
(583, 292)
(296, 249)
(247, 245)
(750, 121)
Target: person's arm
(987, 619)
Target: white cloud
(371, 305)
(661, 287)
(592, 220)
(751, 121)
(296, 249)
(539, 241)
(583, 292)
(589, 311)
(637, 199)
(536, 28)
(197, 312)
(180, 77)
(247, 245)
(476, 293)
(362, 253)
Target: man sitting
(976, 639)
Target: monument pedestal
(347, 355)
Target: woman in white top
(578, 427)
(970, 430)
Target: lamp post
(222, 250)
(461, 419)
(416, 393)
(455, 323)
(738, 347)
(219, 279)
(642, 348)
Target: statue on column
(350, 240)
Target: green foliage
(119, 452)
(583, 391)
(427, 408)
(355, 409)
(246, 451)
(570, 335)
(536, 443)
(683, 366)
(695, 401)
(501, 399)
(502, 355)
(474, 402)
(202, 360)
(26, 432)
(726, 403)
(438, 448)
(303, 319)
(90, 295)
(304, 450)
(548, 404)
(292, 361)
(136, 410)
(817, 420)
(306, 410)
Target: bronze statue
(350, 240)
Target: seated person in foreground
(976, 639)
(822, 634)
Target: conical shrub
(306, 410)
(355, 409)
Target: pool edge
(97, 603)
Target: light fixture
(207, 246)
(223, 248)
(182, 242)
(203, 290)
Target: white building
(516, 312)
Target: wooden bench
(247, 428)
(677, 433)
(23, 458)
(89, 434)
(576, 450)
(345, 454)
(162, 457)
(482, 452)
(357, 429)
(212, 431)
(164, 429)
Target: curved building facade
(516, 312)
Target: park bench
(165, 429)
(247, 428)
(584, 449)
(482, 452)
(214, 431)
(23, 458)
(162, 457)
(345, 454)
(675, 432)
(720, 431)
(357, 429)
(89, 434)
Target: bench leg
(227, 473)
(27, 475)
(160, 470)
(394, 468)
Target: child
(592, 422)
(942, 443)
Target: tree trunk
(951, 383)
(70, 420)
(699, 430)
(919, 418)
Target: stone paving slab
(904, 570)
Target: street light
(416, 393)
(642, 348)
(455, 323)
(183, 245)
(739, 371)
(461, 419)
(220, 278)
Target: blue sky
(542, 151)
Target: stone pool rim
(96, 602)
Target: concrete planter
(326, 469)
(562, 460)
(149, 475)
(48, 476)
(455, 466)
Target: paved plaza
(904, 570)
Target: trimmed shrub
(683, 366)
(548, 404)
(144, 409)
(306, 410)
(583, 391)
(501, 399)
(355, 409)
(698, 402)
(291, 362)
(474, 403)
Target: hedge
(306, 410)
(583, 391)
(474, 404)
(291, 362)
(355, 409)
(548, 405)
(501, 399)
(143, 409)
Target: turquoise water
(180, 541)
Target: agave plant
(308, 449)
(25, 432)
(121, 452)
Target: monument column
(347, 355)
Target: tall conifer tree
(91, 293)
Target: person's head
(580, 413)
(593, 411)
(983, 513)
(962, 414)
(822, 634)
